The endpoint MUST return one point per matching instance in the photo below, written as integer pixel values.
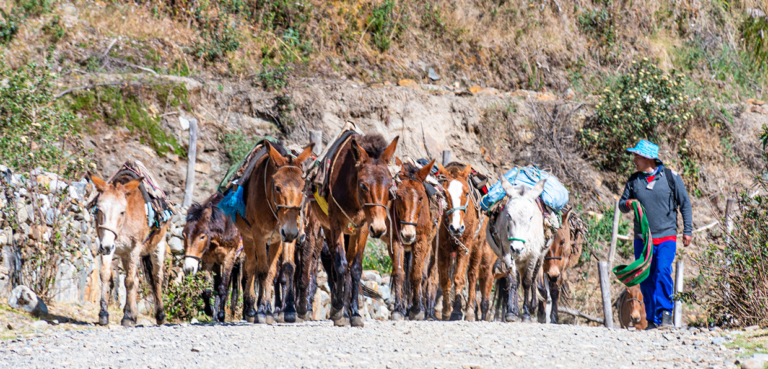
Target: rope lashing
(516, 239)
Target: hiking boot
(651, 325)
(666, 319)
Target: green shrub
(282, 14)
(54, 30)
(220, 37)
(9, 26)
(35, 8)
(432, 19)
(753, 32)
(385, 25)
(237, 145)
(647, 103)
(598, 24)
(274, 78)
(737, 266)
(376, 257)
(599, 230)
(184, 301)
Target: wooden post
(614, 234)
(191, 155)
(730, 207)
(605, 289)
(679, 289)
(446, 157)
(316, 137)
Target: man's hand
(629, 202)
(687, 240)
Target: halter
(277, 206)
(418, 217)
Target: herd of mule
(287, 222)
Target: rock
(475, 89)
(371, 275)
(5, 237)
(546, 96)
(184, 123)
(718, 340)
(758, 109)
(385, 279)
(194, 321)
(570, 94)
(763, 357)
(433, 75)
(176, 245)
(372, 285)
(408, 83)
(385, 293)
(753, 364)
(204, 168)
(196, 349)
(23, 298)
(322, 278)
(40, 233)
(40, 324)
(10, 326)
(177, 190)
(471, 366)
(22, 215)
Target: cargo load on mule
(158, 208)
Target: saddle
(319, 171)
(159, 209)
(241, 171)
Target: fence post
(605, 289)
(316, 137)
(191, 154)
(446, 157)
(614, 234)
(730, 207)
(679, 268)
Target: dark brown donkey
(410, 241)
(563, 254)
(211, 242)
(273, 197)
(631, 308)
(358, 196)
(459, 235)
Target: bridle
(418, 217)
(274, 209)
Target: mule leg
(357, 248)
(266, 276)
(234, 279)
(554, 290)
(419, 257)
(459, 280)
(444, 267)
(339, 259)
(486, 286)
(313, 280)
(398, 278)
(303, 279)
(158, 261)
(105, 274)
(288, 268)
(130, 264)
(473, 270)
(249, 275)
(432, 282)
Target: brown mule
(459, 235)
(211, 242)
(358, 198)
(410, 241)
(121, 222)
(631, 308)
(307, 259)
(563, 254)
(273, 197)
(486, 280)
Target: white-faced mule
(516, 235)
(121, 221)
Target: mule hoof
(250, 319)
(416, 316)
(527, 319)
(269, 319)
(470, 317)
(511, 318)
(104, 319)
(128, 322)
(261, 318)
(289, 317)
(341, 322)
(280, 318)
(396, 316)
(303, 317)
(357, 321)
(456, 315)
(336, 314)
(299, 320)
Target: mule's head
(457, 194)
(559, 254)
(111, 210)
(521, 220)
(204, 222)
(287, 190)
(373, 180)
(409, 199)
(635, 302)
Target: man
(661, 192)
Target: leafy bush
(432, 19)
(184, 301)
(598, 24)
(599, 230)
(35, 7)
(282, 14)
(54, 30)
(220, 38)
(753, 32)
(737, 266)
(274, 78)
(647, 103)
(385, 25)
(9, 26)
(376, 257)
(237, 145)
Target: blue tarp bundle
(555, 195)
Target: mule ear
(389, 152)
(358, 153)
(508, 188)
(422, 174)
(467, 170)
(278, 159)
(304, 154)
(398, 162)
(536, 191)
(441, 169)
(567, 217)
(131, 186)
(99, 183)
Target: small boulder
(23, 298)
(408, 83)
(176, 245)
(40, 324)
(433, 75)
(371, 275)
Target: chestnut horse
(631, 308)
(459, 233)
(121, 223)
(211, 242)
(410, 240)
(273, 197)
(563, 254)
(358, 198)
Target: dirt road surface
(378, 345)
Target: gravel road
(378, 345)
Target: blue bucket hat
(646, 149)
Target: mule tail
(407, 288)
(501, 297)
(146, 268)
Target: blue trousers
(658, 288)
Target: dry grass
(134, 22)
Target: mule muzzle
(106, 249)
(289, 235)
(457, 232)
(377, 232)
(190, 266)
(636, 319)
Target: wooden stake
(614, 234)
(730, 208)
(679, 268)
(446, 157)
(317, 138)
(605, 289)
(191, 156)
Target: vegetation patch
(376, 257)
(184, 300)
